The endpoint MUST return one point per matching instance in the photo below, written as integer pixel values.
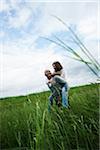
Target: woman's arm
(57, 73)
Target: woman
(58, 70)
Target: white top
(63, 74)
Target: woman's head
(57, 66)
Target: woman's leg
(65, 96)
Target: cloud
(22, 63)
(3, 6)
(20, 20)
(70, 13)
(2, 34)
(17, 12)
(24, 72)
(88, 27)
(6, 6)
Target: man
(55, 83)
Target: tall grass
(89, 59)
(27, 124)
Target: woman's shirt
(60, 73)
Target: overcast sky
(25, 55)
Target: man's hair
(57, 65)
(46, 72)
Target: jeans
(55, 95)
(65, 95)
(51, 99)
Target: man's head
(48, 74)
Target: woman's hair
(58, 66)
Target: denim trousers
(51, 98)
(65, 95)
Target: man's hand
(49, 81)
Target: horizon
(48, 90)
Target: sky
(25, 54)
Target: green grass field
(26, 124)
